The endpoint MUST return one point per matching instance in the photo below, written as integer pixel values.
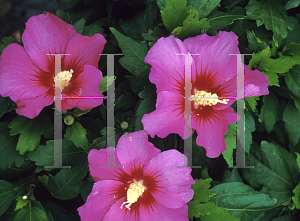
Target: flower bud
(126, 133)
(124, 125)
(69, 119)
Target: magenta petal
(85, 50)
(214, 55)
(174, 182)
(211, 133)
(135, 148)
(86, 85)
(46, 34)
(168, 117)
(19, 76)
(115, 213)
(99, 201)
(98, 159)
(168, 66)
(256, 83)
(161, 212)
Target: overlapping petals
(27, 73)
(214, 61)
(167, 181)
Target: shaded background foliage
(267, 29)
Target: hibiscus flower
(214, 88)
(27, 74)
(147, 185)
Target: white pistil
(64, 77)
(206, 98)
(135, 190)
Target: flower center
(206, 98)
(134, 191)
(64, 77)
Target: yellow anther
(206, 98)
(135, 190)
(64, 77)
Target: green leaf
(205, 7)
(63, 15)
(44, 154)
(92, 29)
(195, 209)
(8, 153)
(232, 176)
(291, 118)
(201, 189)
(241, 200)
(292, 4)
(30, 131)
(292, 79)
(31, 213)
(298, 160)
(5, 103)
(7, 41)
(146, 106)
(67, 183)
(174, 13)
(296, 101)
(125, 101)
(21, 203)
(230, 142)
(191, 25)
(77, 134)
(134, 54)
(215, 213)
(269, 111)
(249, 128)
(255, 44)
(273, 15)
(79, 26)
(296, 197)
(7, 195)
(275, 170)
(106, 81)
(252, 101)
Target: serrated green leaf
(249, 128)
(7, 195)
(215, 213)
(195, 209)
(296, 197)
(296, 101)
(269, 111)
(8, 153)
(273, 15)
(106, 81)
(77, 134)
(275, 169)
(255, 44)
(44, 154)
(230, 142)
(30, 131)
(79, 26)
(146, 106)
(32, 213)
(174, 13)
(21, 203)
(241, 200)
(252, 101)
(134, 54)
(291, 118)
(191, 25)
(201, 190)
(67, 183)
(292, 79)
(63, 15)
(205, 7)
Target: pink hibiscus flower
(213, 76)
(27, 73)
(148, 187)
